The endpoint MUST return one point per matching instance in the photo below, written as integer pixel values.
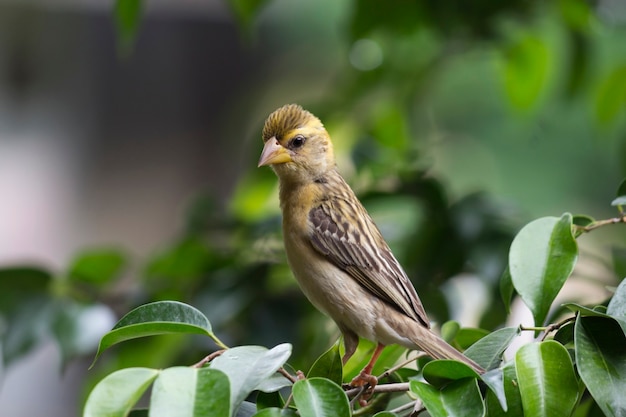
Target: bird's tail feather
(438, 348)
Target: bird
(337, 254)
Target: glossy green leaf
(611, 95)
(363, 354)
(495, 404)
(440, 372)
(541, 258)
(582, 221)
(328, 365)
(449, 330)
(269, 400)
(598, 311)
(494, 379)
(619, 201)
(190, 392)
(488, 351)
(546, 378)
(617, 305)
(460, 398)
(466, 337)
(507, 290)
(161, 317)
(320, 397)
(276, 412)
(97, 267)
(246, 409)
(247, 366)
(526, 66)
(273, 383)
(601, 362)
(117, 393)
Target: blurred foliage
(550, 59)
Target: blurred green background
(130, 131)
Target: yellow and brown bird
(337, 254)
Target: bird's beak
(273, 153)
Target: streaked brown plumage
(337, 254)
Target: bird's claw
(368, 382)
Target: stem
(397, 387)
(218, 342)
(208, 358)
(548, 329)
(600, 223)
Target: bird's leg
(365, 377)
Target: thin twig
(208, 358)
(400, 365)
(600, 223)
(547, 329)
(397, 387)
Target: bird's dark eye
(297, 141)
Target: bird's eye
(297, 141)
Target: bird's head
(297, 146)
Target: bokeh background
(130, 131)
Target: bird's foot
(368, 382)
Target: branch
(599, 223)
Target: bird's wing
(345, 234)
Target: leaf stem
(599, 223)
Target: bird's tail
(433, 345)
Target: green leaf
(617, 305)
(541, 258)
(385, 414)
(328, 365)
(269, 400)
(440, 372)
(118, 392)
(459, 398)
(495, 405)
(449, 330)
(619, 201)
(127, 16)
(526, 65)
(488, 351)
(582, 221)
(97, 267)
(507, 290)
(276, 412)
(190, 392)
(363, 354)
(320, 397)
(466, 337)
(248, 366)
(601, 362)
(273, 383)
(161, 317)
(547, 383)
(19, 283)
(611, 95)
